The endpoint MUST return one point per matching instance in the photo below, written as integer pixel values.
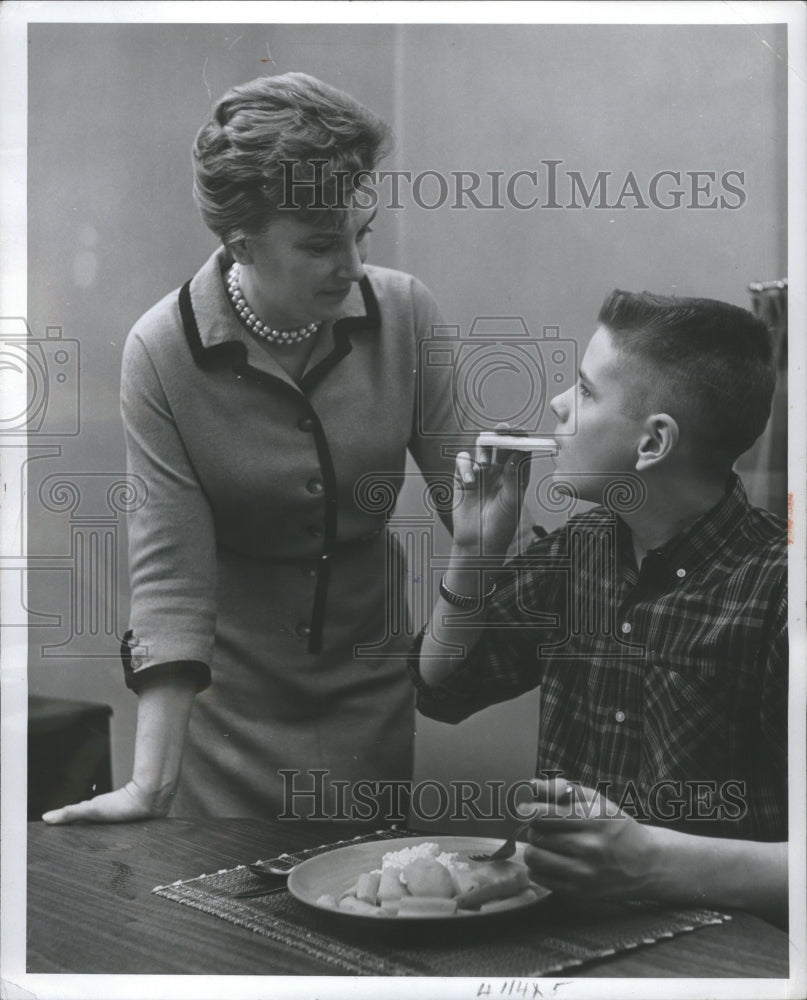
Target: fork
(272, 871)
(508, 848)
(272, 881)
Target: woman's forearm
(163, 710)
(711, 871)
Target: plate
(336, 872)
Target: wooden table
(91, 909)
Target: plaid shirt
(653, 677)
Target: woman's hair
(708, 363)
(290, 141)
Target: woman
(256, 402)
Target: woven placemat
(548, 938)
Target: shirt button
(619, 716)
(315, 530)
(314, 486)
(303, 630)
(680, 573)
(626, 627)
(305, 424)
(309, 571)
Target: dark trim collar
(215, 337)
(342, 331)
(206, 357)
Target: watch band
(463, 600)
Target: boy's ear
(659, 437)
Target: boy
(658, 634)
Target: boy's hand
(488, 490)
(581, 843)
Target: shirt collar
(690, 548)
(709, 533)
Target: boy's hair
(710, 365)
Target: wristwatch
(463, 600)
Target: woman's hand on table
(124, 805)
(163, 708)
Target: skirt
(285, 733)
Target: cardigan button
(305, 424)
(315, 530)
(303, 630)
(314, 486)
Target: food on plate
(390, 886)
(427, 877)
(367, 887)
(422, 881)
(510, 903)
(425, 906)
(495, 881)
(353, 905)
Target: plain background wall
(113, 111)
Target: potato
(425, 877)
(327, 900)
(426, 906)
(367, 887)
(351, 904)
(390, 885)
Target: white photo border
(14, 21)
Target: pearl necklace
(253, 323)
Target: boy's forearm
(711, 871)
(444, 647)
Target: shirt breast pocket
(686, 734)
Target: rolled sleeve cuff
(135, 672)
(449, 701)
